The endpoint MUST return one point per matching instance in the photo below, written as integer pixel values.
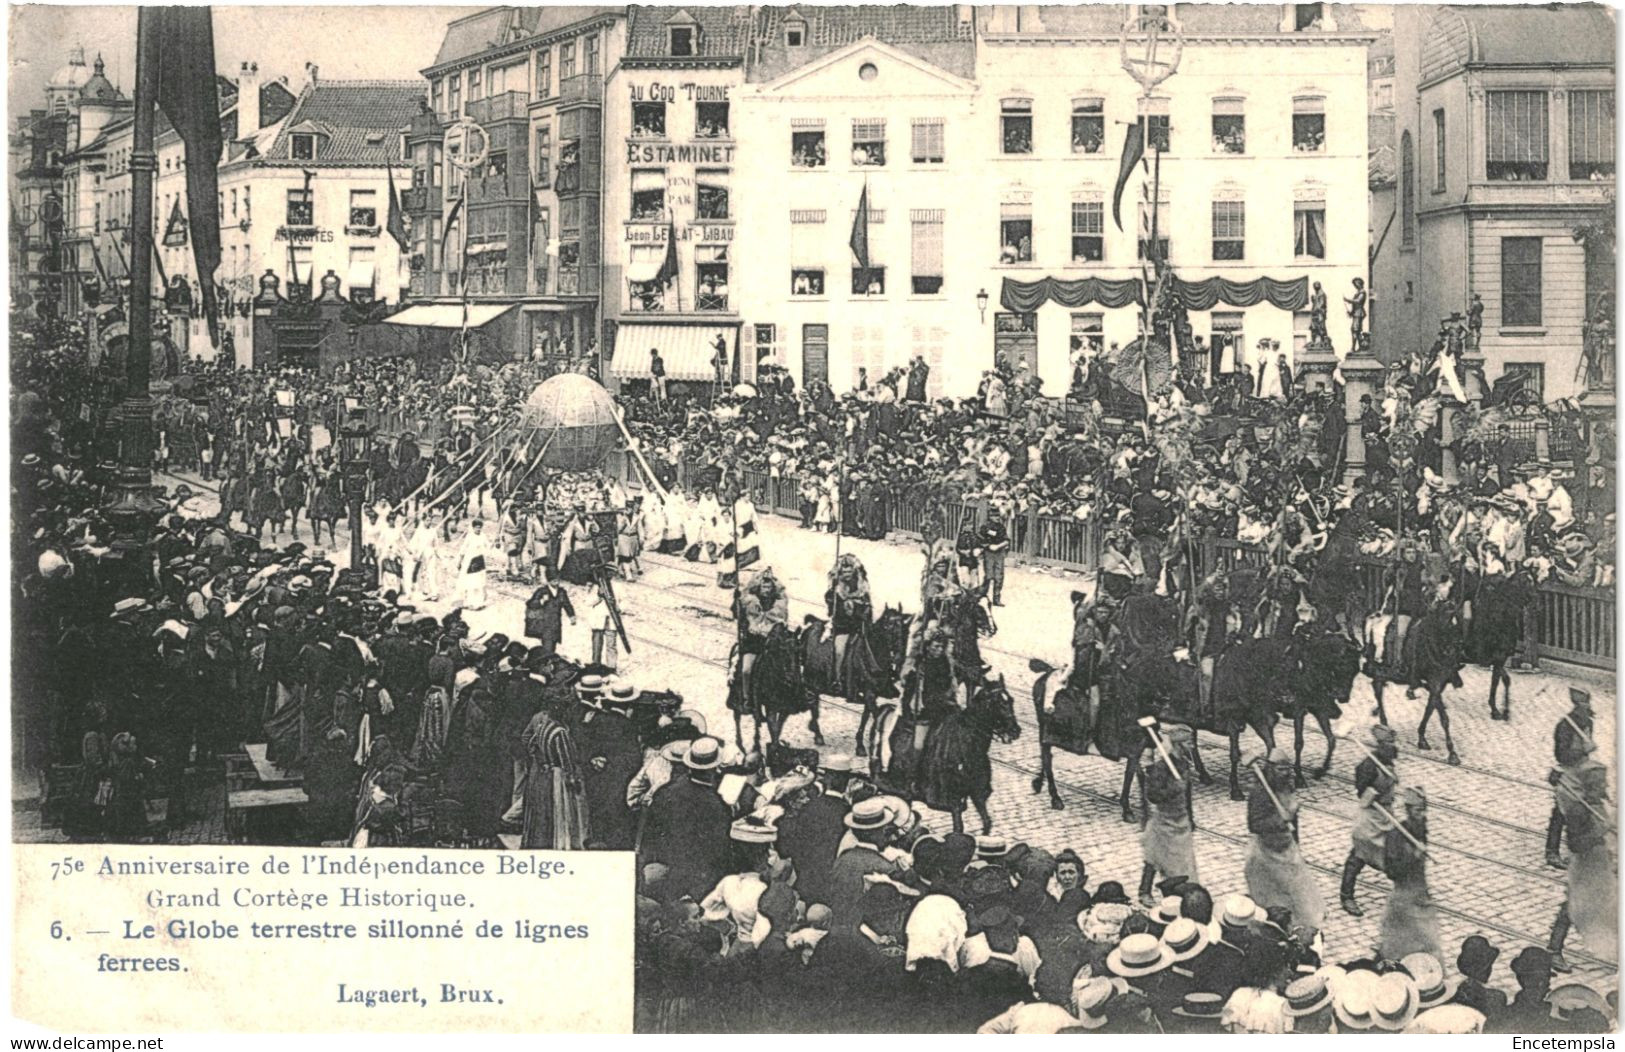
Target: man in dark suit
(810, 836)
(611, 754)
(871, 822)
(544, 613)
(688, 824)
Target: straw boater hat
(1427, 973)
(1352, 997)
(620, 692)
(1185, 938)
(1394, 1002)
(1307, 995)
(589, 687)
(704, 754)
(1090, 996)
(1139, 954)
(1167, 910)
(869, 814)
(1200, 1005)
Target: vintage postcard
(857, 519)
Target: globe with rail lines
(572, 419)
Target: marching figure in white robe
(472, 566)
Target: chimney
(248, 100)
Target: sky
(346, 43)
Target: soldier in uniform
(1571, 746)
(1375, 788)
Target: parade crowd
(778, 890)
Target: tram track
(1026, 772)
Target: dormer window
(795, 33)
(303, 148)
(1308, 17)
(682, 40)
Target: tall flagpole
(134, 508)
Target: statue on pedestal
(1319, 338)
(1356, 306)
(1475, 320)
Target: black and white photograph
(1099, 519)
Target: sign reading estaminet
(219, 939)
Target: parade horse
(873, 663)
(1430, 654)
(777, 689)
(953, 764)
(1495, 632)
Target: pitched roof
(475, 34)
(362, 118)
(934, 34)
(1557, 34)
(725, 32)
(1193, 19)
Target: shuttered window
(1515, 136)
(927, 141)
(1591, 135)
(927, 250)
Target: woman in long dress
(1410, 924)
(1276, 872)
(555, 797)
(1166, 825)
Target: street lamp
(981, 304)
(355, 443)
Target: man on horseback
(763, 606)
(849, 606)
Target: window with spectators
(1309, 124)
(1016, 232)
(364, 208)
(648, 195)
(1088, 125)
(1016, 126)
(301, 208)
(711, 277)
(1229, 126)
(711, 193)
(807, 146)
(1516, 134)
(710, 120)
(648, 120)
(868, 143)
(1591, 135)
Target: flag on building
(860, 236)
(1133, 150)
(396, 222)
(452, 218)
(189, 98)
(668, 266)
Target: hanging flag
(175, 229)
(396, 221)
(188, 97)
(1133, 150)
(451, 221)
(745, 549)
(860, 236)
(668, 266)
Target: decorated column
(1362, 375)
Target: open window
(648, 195)
(363, 208)
(648, 120)
(710, 120)
(646, 291)
(1591, 135)
(1515, 147)
(1016, 232)
(682, 41)
(711, 277)
(1016, 126)
(868, 144)
(711, 194)
(1088, 125)
(1229, 126)
(807, 145)
(301, 209)
(806, 281)
(1309, 124)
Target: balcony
(510, 105)
(421, 199)
(584, 87)
(1540, 193)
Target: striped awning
(687, 350)
(449, 315)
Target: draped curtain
(1026, 297)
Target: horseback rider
(1405, 593)
(849, 605)
(1210, 624)
(763, 607)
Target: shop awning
(686, 349)
(361, 274)
(449, 315)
